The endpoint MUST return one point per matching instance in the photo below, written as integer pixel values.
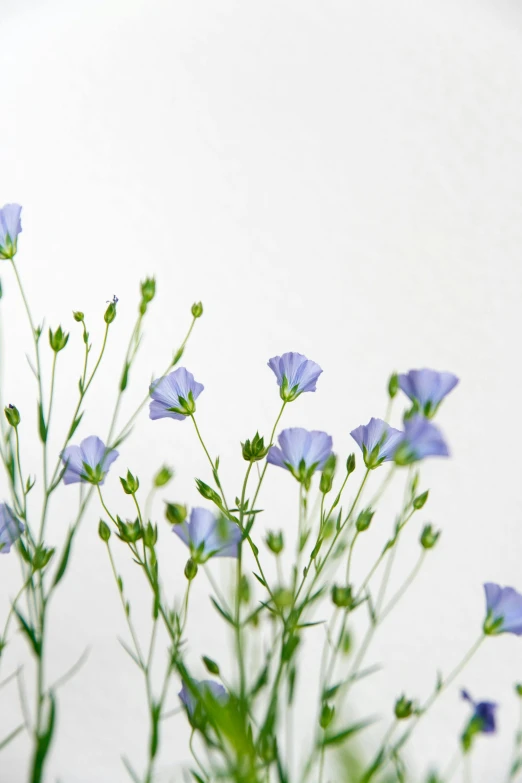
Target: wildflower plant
(240, 711)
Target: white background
(338, 178)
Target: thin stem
(124, 431)
(404, 587)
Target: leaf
(259, 579)
(340, 736)
(222, 612)
(125, 377)
(60, 571)
(129, 652)
(75, 425)
(30, 632)
(11, 736)
(128, 767)
(43, 743)
(197, 777)
(42, 426)
(261, 681)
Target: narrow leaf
(340, 736)
(65, 557)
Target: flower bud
(163, 476)
(104, 531)
(150, 535)
(78, 316)
(128, 531)
(110, 313)
(403, 708)
(191, 569)
(518, 689)
(327, 476)
(327, 716)
(211, 665)
(342, 596)
(197, 310)
(130, 484)
(420, 500)
(429, 537)
(255, 449)
(207, 492)
(175, 513)
(58, 339)
(148, 289)
(244, 590)
(12, 415)
(275, 542)
(393, 385)
(41, 557)
(364, 520)
(350, 464)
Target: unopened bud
(197, 310)
(191, 569)
(12, 415)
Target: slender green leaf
(222, 612)
(341, 736)
(29, 631)
(60, 571)
(42, 427)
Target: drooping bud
(211, 665)
(175, 513)
(420, 500)
(12, 415)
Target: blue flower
(11, 528)
(302, 452)
(420, 439)
(504, 610)
(10, 227)
(295, 374)
(427, 388)
(174, 395)
(208, 536)
(377, 440)
(89, 462)
(483, 714)
(208, 692)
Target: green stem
(125, 429)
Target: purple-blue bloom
(174, 395)
(483, 714)
(10, 227)
(427, 388)
(89, 462)
(504, 610)
(301, 451)
(295, 374)
(209, 536)
(420, 439)
(206, 688)
(11, 528)
(377, 440)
